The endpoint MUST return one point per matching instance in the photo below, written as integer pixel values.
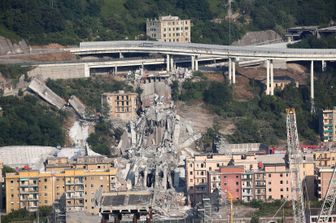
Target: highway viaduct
(232, 53)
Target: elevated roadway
(196, 49)
(233, 53)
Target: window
(281, 189)
(217, 164)
(237, 191)
(281, 196)
(269, 182)
(237, 183)
(280, 174)
(191, 173)
(237, 176)
(269, 175)
(281, 182)
(270, 190)
(224, 176)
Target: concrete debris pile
(150, 159)
(169, 203)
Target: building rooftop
(272, 159)
(121, 92)
(120, 200)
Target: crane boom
(295, 162)
(329, 200)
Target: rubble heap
(150, 159)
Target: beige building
(266, 177)
(1, 187)
(120, 105)
(74, 188)
(328, 130)
(323, 179)
(197, 169)
(325, 158)
(278, 182)
(169, 29)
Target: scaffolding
(295, 161)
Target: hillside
(68, 22)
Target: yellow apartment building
(86, 163)
(169, 29)
(75, 188)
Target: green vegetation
(101, 140)
(105, 137)
(262, 119)
(23, 215)
(26, 122)
(279, 15)
(313, 42)
(13, 71)
(68, 22)
(269, 209)
(7, 169)
(88, 90)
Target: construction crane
(295, 161)
(329, 200)
(230, 198)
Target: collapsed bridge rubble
(149, 163)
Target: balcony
(28, 190)
(29, 198)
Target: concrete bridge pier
(194, 63)
(168, 62)
(312, 109)
(269, 77)
(171, 62)
(230, 71)
(324, 65)
(272, 77)
(234, 71)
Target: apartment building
(325, 158)
(74, 188)
(247, 189)
(228, 179)
(197, 169)
(169, 29)
(261, 177)
(277, 181)
(120, 105)
(85, 162)
(1, 187)
(328, 130)
(324, 175)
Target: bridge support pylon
(272, 78)
(168, 62)
(194, 63)
(269, 77)
(312, 103)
